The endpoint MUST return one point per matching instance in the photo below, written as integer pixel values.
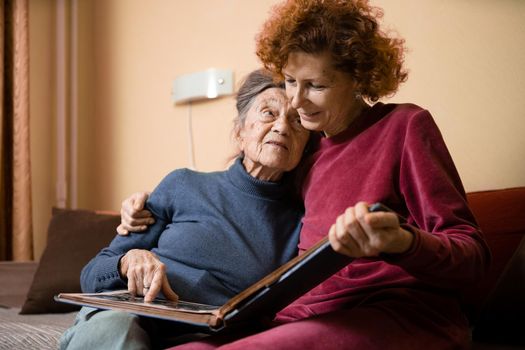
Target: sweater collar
(362, 122)
(251, 185)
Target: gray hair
(255, 83)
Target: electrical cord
(191, 150)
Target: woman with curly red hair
(403, 288)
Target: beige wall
(132, 133)
(466, 62)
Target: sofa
(31, 319)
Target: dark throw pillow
(74, 237)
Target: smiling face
(323, 96)
(272, 137)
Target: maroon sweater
(396, 155)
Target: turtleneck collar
(249, 184)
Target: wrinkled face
(272, 137)
(323, 96)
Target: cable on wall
(191, 148)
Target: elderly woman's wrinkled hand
(146, 275)
(359, 233)
(133, 216)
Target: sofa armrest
(500, 297)
(16, 279)
(500, 217)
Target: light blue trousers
(105, 329)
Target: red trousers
(381, 326)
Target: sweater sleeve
(102, 272)
(448, 249)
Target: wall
(466, 66)
(134, 134)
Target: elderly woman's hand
(359, 233)
(146, 275)
(133, 217)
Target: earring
(357, 95)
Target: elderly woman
(215, 233)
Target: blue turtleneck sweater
(217, 233)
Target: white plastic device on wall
(208, 84)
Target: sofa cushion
(73, 238)
(18, 276)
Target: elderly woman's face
(323, 96)
(272, 137)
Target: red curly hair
(348, 29)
